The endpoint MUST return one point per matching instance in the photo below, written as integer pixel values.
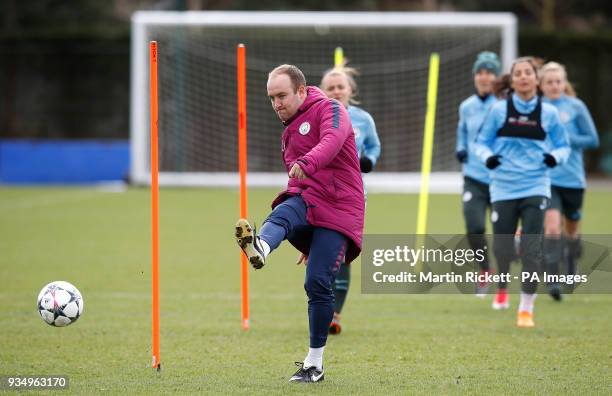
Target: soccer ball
(60, 304)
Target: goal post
(197, 87)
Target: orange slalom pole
(242, 167)
(154, 200)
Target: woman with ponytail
(520, 140)
(339, 83)
(568, 181)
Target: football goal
(197, 87)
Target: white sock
(265, 247)
(314, 358)
(527, 301)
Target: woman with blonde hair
(339, 83)
(562, 219)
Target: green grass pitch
(391, 344)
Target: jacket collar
(313, 95)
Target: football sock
(314, 358)
(553, 246)
(265, 247)
(479, 242)
(574, 251)
(503, 266)
(527, 300)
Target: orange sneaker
(525, 319)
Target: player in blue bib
(520, 140)
(339, 83)
(476, 199)
(568, 180)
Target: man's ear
(302, 92)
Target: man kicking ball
(321, 212)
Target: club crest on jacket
(304, 128)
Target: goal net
(198, 94)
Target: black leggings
(476, 200)
(505, 216)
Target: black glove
(493, 161)
(365, 164)
(550, 161)
(461, 156)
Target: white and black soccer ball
(60, 304)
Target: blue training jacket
(522, 172)
(472, 113)
(366, 138)
(582, 135)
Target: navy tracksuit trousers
(327, 251)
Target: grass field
(391, 344)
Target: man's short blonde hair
(295, 75)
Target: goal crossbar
(139, 172)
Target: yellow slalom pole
(338, 57)
(428, 139)
(430, 120)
